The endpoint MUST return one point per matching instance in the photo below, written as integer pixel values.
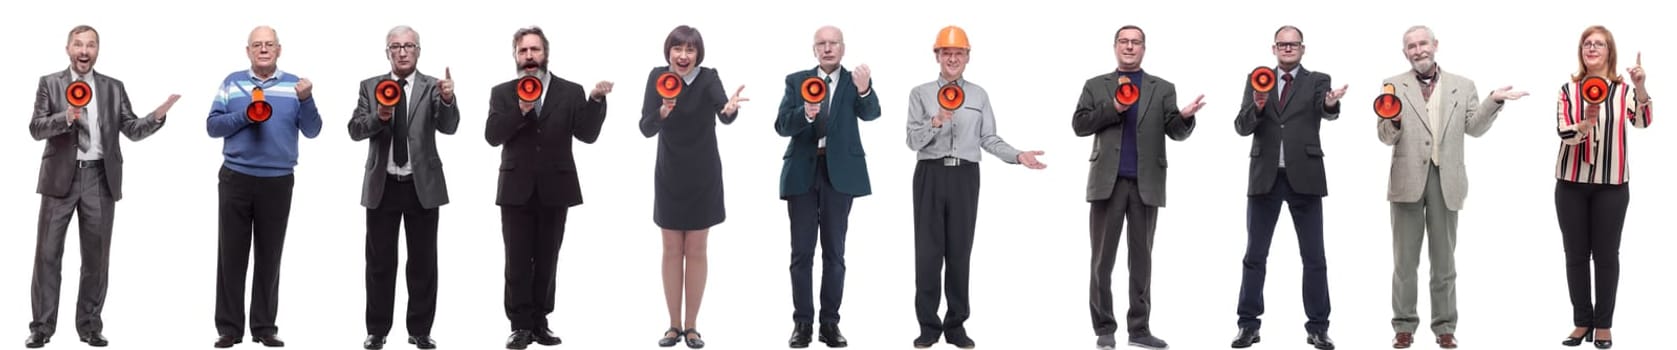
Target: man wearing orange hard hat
(949, 121)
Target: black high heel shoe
(695, 343)
(1589, 333)
(1603, 343)
(671, 340)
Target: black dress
(687, 183)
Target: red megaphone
(529, 88)
(1387, 105)
(78, 94)
(814, 90)
(1127, 92)
(388, 93)
(1595, 90)
(259, 110)
(951, 97)
(1262, 79)
(669, 85)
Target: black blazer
(536, 149)
(116, 115)
(1296, 126)
(847, 166)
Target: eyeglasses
(828, 44)
(409, 47)
(1595, 44)
(1289, 45)
(1131, 42)
(264, 44)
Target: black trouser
(401, 205)
(532, 234)
(945, 215)
(1262, 212)
(253, 210)
(820, 215)
(1592, 218)
(90, 200)
(1106, 225)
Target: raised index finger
(1639, 58)
(447, 74)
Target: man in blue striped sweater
(258, 114)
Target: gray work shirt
(973, 126)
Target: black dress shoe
(36, 340)
(1245, 339)
(227, 341)
(832, 337)
(801, 334)
(1320, 340)
(546, 338)
(1589, 333)
(95, 339)
(959, 340)
(373, 342)
(671, 337)
(1603, 343)
(925, 340)
(272, 341)
(520, 339)
(1148, 341)
(423, 341)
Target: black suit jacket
(116, 115)
(1296, 126)
(536, 149)
(430, 116)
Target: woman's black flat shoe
(695, 343)
(672, 337)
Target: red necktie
(1285, 88)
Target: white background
(1029, 286)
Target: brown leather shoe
(1447, 341)
(1403, 340)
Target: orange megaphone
(259, 110)
(529, 88)
(1387, 105)
(1262, 79)
(78, 94)
(951, 97)
(669, 85)
(388, 93)
(1127, 92)
(1594, 90)
(814, 90)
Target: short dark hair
(1131, 26)
(78, 30)
(1286, 27)
(685, 35)
(531, 30)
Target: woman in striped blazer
(1592, 172)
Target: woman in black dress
(687, 185)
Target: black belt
(84, 164)
(401, 178)
(948, 161)
(821, 151)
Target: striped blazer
(1598, 155)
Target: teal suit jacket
(847, 167)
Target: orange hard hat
(951, 36)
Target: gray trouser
(90, 201)
(1428, 218)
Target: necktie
(84, 140)
(1285, 89)
(399, 140)
(821, 123)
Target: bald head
(829, 47)
(263, 48)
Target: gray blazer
(1159, 117)
(430, 116)
(1412, 138)
(58, 162)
